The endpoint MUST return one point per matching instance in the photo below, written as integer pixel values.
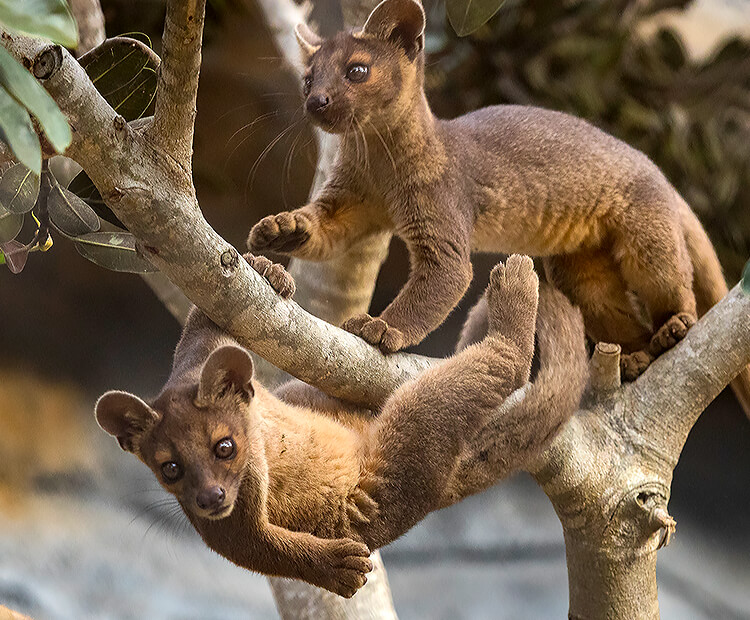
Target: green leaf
(10, 225)
(83, 187)
(746, 279)
(466, 16)
(124, 72)
(19, 188)
(18, 132)
(69, 214)
(29, 93)
(50, 19)
(113, 250)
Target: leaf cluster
(21, 96)
(124, 71)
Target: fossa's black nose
(317, 103)
(212, 497)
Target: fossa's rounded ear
(124, 416)
(401, 21)
(228, 370)
(309, 42)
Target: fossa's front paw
(377, 332)
(284, 232)
(277, 276)
(344, 566)
(669, 334)
(513, 295)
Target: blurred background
(82, 531)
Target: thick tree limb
(297, 600)
(609, 472)
(665, 403)
(154, 196)
(333, 291)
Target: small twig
(660, 519)
(605, 368)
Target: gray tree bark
(608, 473)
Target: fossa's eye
(357, 72)
(224, 449)
(171, 471)
(307, 85)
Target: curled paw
(377, 332)
(284, 232)
(633, 365)
(669, 334)
(277, 276)
(344, 567)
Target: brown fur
(617, 238)
(313, 483)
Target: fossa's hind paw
(361, 508)
(633, 365)
(513, 294)
(277, 276)
(669, 334)
(377, 332)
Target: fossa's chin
(218, 514)
(328, 125)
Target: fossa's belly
(308, 486)
(536, 223)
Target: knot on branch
(47, 62)
(653, 506)
(120, 125)
(230, 260)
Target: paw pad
(669, 334)
(633, 365)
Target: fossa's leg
(413, 445)
(655, 264)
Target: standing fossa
(301, 485)
(616, 237)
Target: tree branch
(605, 368)
(608, 473)
(332, 290)
(664, 404)
(154, 197)
(90, 19)
(177, 86)
(281, 17)
(297, 600)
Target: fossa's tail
(710, 287)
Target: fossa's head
(368, 77)
(195, 438)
